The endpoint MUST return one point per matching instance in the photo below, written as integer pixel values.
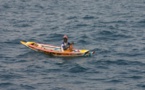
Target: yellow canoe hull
(55, 50)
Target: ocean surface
(115, 29)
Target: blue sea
(114, 29)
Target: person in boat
(66, 46)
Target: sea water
(114, 29)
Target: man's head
(65, 38)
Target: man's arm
(62, 48)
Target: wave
(77, 69)
(117, 62)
